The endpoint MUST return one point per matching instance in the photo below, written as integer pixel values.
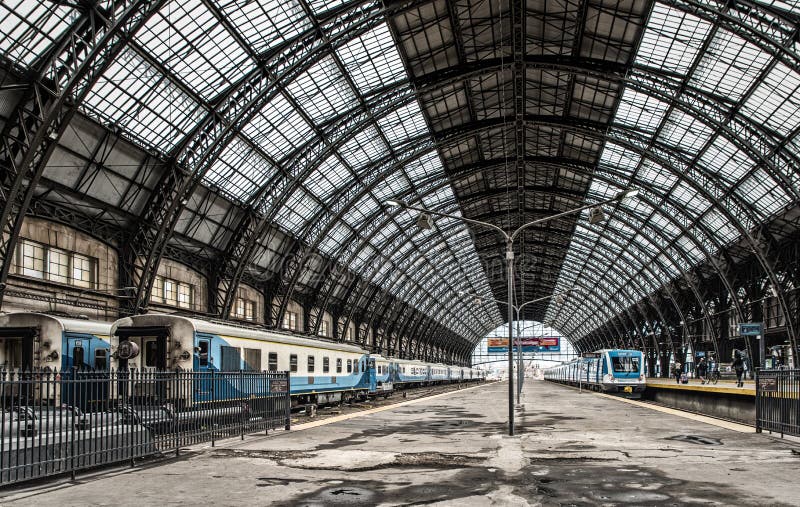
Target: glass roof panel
(776, 101)
(364, 148)
(141, 100)
(329, 176)
(28, 28)
(685, 132)
(403, 124)
(672, 39)
(726, 160)
(372, 59)
(729, 66)
(297, 211)
(620, 157)
(640, 111)
(239, 171)
(657, 175)
(322, 91)
(267, 23)
(278, 128)
(763, 192)
(190, 41)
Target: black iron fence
(778, 402)
(61, 422)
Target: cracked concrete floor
(570, 449)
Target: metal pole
(519, 359)
(510, 274)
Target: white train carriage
(609, 370)
(30, 341)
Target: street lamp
(425, 218)
(518, 310)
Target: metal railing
(62, 422)
(778, 401)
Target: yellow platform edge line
(744, 391)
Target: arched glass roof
(313, 113)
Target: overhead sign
(529, 344)
(751, 329)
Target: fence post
(758, 401)
(288, 402)
(244, 404)
(213, 412)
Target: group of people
(701, 370)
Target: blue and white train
(321, 372)
(36, 341)
(609, 370)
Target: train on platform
(612, 371)
(320, 371)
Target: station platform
(452, 449)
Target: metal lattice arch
(257, 142)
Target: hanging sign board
(751, 329)
(528, 344)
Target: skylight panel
(620, 158)
(720, 227)
(321, 6)
(327, 178)
(424, 167)
(372, 60)
(279, 128)
(640, 111)
(655, 174)
(672, 39)
(726, 160)
(333, 241)
(135, 96)
(267, 23)
(29, 28)
(298, 210)
(776, 101)
(191, 42)
(690, 199)
(685, 132)
(356, 214)
(322, 91)
(403, 124)
(394, 185)
(239, 171)
(729, 66)
(364, 148)
(763, 193)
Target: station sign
(528, 344)
(751, 329)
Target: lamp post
(518, 311)
(595, 216)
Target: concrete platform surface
(571, 449)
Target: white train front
(609, 370)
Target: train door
(371, 375)
(16, 347)
(203, 365)
(147, 351)
(85, 352)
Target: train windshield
(625, 364)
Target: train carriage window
(311, 364)
(101, 359)
(293, 363)
(202, 353)
(150, 353)
(231, 360)
(272, 361)
(252, 359)
(338, 365)
(326, 365)
(349, 366)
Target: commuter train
(610, 370)
(321, 372)
(34, 341)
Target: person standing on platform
(738, 367)
(702, 370)
(678, 369)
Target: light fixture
(628, 194)
(424, 221)
(596, 216)
(396, 203)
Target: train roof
(204, 326)
(33, 319)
